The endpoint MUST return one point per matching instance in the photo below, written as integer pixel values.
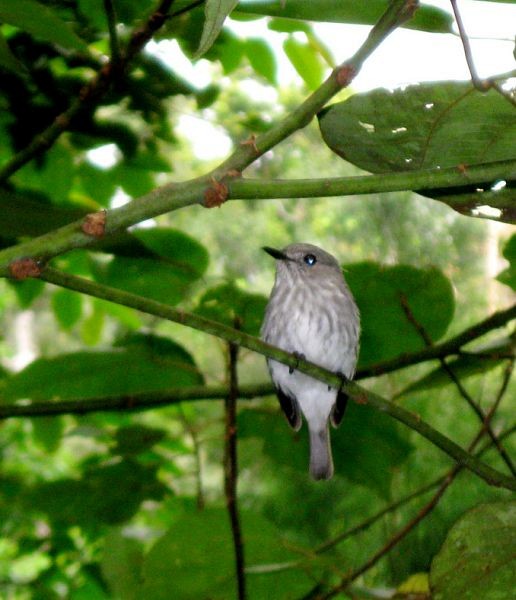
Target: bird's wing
(290, 407)
(339, 408)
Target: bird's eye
(309, 259)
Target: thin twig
(458, 384)
(197, 456)
(112, 20)
(482, 85)
(231, 468)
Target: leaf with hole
(424, 126)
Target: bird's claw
(299, 356)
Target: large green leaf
(477, 558)
(423, 126)
(262, 59)
(179, 261)
(508, 276)
(466, 365)
(427, 18)
(215, 12)
(145, 363)
(230, 305)
(40, 21)
(198, 552)
(380, 292)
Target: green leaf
(40, 21)
(465, 366)
(194, 570)
(230, 305)
(67, 307)
(427, 18)
(477, 557)
(306, 61)
(508, 276)
(215, 12)
(179, 261)
(424, 126)
(27, 290)
(379, 291)
(144, 363)
(7, 59)
(135, 439)
(187, 255)
(48, 432)
(121, 564)
(109, 493)
(262, 59)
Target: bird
(311, 313)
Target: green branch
(178, 195)
(359, 394)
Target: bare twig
(482, 85)
(458, 384)
(231, 468)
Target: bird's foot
(299, 356)
(343, 380)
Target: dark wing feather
(339, 408)
(290, 407)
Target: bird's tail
(321, 462)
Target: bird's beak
(277, 254)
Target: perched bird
(312, 313)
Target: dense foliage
(117, 431)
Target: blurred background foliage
(130, 504)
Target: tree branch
(90, 92)
(359, 394)
(231, 468)
(173, 196)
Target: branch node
(216, 194)
(94, 224)
(345, 75)
(251, 141)
(24, 267)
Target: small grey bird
(312, 313)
